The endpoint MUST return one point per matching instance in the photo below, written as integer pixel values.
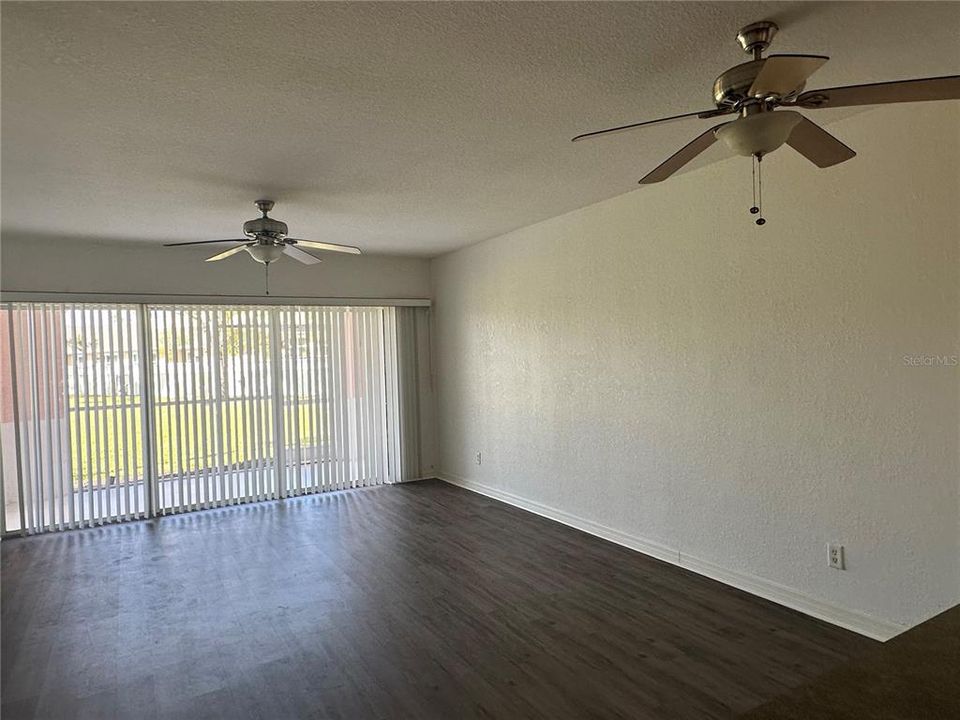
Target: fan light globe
(759, 134)
(265, 254)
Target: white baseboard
(767, 589)
(416, 479)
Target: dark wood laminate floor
(914, 676)
(414, 601)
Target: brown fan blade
(228, 253)
(206, 242)
(785, 74)
(622, 128)
(326, 246)
(817, 145)
(297, 254)
(936, 88)
(681, 158)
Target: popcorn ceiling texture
(658, 365)
(401, 128)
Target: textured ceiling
(401, 128)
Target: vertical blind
(115, 412)
(71, 409)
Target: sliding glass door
(114, 412)
(213, 410)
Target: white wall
(30, 263)
(657, 369)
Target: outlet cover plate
(835, 557)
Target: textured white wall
(657, 365)
(32, 263)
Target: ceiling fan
(267, 241)
(754, 90)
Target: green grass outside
(176, 443)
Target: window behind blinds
(113, 412)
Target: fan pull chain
(266, 277)
(757, 183)
(760, 220)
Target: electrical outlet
(835, 557)
(479, 459)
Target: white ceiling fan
(267, 241)
(754, 90)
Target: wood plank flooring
(414, 601)
(914, 676)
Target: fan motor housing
(265, 226)
(733, 86)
